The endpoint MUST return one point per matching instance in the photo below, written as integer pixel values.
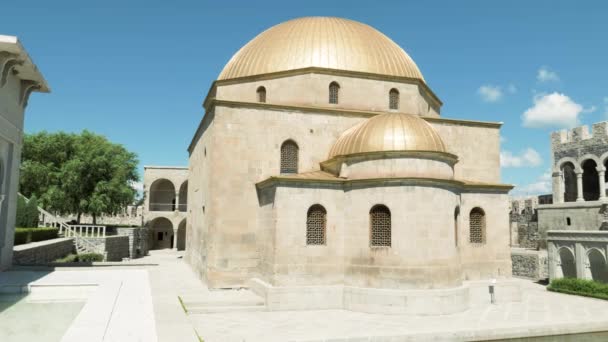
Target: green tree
(27, 212)
(32, 212)
(78, 173)
(20, 220)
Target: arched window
(477, 226)
(334, 90)
(289, 157)
(261, 94)
(393, 99)
(569, 179)
(591, 182)
(456, 217)
(380, 226)
(316, 220)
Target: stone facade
(42, 252)
(247, 220)
(115, 248)
(19, 77)
(138, 240)
(530, 263)
(166, 206)
(578, 254)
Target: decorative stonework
(27, 87)
(8, 61)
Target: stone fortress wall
(130, 216)
(560, 234)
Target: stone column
(174, 247)
(579, 186)
(176, 201)
(558, 187)
(580, 262)
(601, 172)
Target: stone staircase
(80, 233)
(223, 301)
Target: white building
(166, 205)
(322, 160)
(19, 77)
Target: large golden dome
(389, 132)
(323, 42)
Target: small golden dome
(322, 42)
(389, 132)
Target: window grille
(316, 221)
(289, 157)
(261, 94)
(393, 99)
(334, 90)
(477, 226)
(380, 218)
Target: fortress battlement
(599, 131)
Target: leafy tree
(27, 213)
(20, 219)
(78, 173)
(32, 214)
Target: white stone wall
(477, 148)
(11, 131)
(398, 167)
(238, 146)
(491, 259)
(313, 90)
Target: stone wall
(138, 240)
(529, 263)
(116, 247)
(42, 252)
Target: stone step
(224, 308)
(223, 301)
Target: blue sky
(121, 68)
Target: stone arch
(567, 263)
(181, 236)
(591, 184)
(597, 265)
(380, 226)
(588, 156)
(289, 156)
(183, 196)
(568, 170)
(393, 99)
(261, 93)
(161, 233)
(574, 162)
(334, 92)
(162, 195)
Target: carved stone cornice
(27, 87)
(8, 61)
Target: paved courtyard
(239, 315)
(539, 313)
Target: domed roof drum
(323, 42)
(389, 132)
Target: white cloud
(542, 185)
(527, 158)
(546, 75)
(490, 93)
(554, 109)
(138, 186)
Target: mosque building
(323, 163)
